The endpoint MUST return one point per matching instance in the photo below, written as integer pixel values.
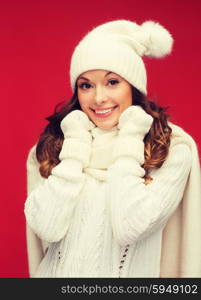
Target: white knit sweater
(103, 221)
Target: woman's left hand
(134, 121)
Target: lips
(104, 112)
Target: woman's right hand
(76, 128)
(77, 125)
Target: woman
(113, 186)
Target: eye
(113, 82)
(84, 86)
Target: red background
(38, 38)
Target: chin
(106, 126)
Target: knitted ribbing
(106, 216)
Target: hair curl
(157, 140)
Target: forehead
(96, 74)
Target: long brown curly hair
(157, 140)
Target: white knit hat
(118, 46)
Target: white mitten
(76, 128)
(134, 121)
(77, 125)
(134, 124)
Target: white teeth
(103, 111)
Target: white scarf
(102, 147)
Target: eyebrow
(82, 77)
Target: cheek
(83, 102)
(85, 98)
(125, 100)
(83, 107)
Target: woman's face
(103, 96)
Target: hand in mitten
(134, 121)
(76, 128)
(134, 124)
(77, 125)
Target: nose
(100, 95)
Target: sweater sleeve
(49, 206)
(35, 246)
(137, 210)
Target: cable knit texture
(100, 219)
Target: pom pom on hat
(159, 41)
(118, 46)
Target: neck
(97, 131)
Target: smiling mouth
(104, 112)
